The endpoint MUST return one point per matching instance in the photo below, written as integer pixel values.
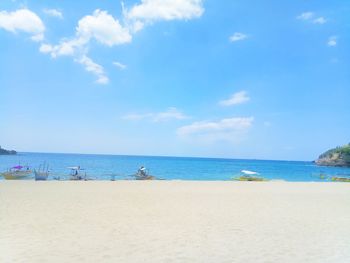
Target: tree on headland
(7, 152)
(339, 156)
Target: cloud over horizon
(229, 129)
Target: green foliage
(6, 152)
(343, 152)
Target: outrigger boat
(249, 176)
(341, 179)
(76, 173)
(17, 172)
(143, 174)
(42, 174)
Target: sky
(210, 78)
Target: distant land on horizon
(7, 152)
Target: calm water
(103, 167)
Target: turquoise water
(104, 167)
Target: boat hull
(341, 179)
(16, 175)
(249, 179)
(149, 177)
(41, 176)
(77, 178)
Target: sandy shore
(174, 221)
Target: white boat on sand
(247, 175)
(247, 172)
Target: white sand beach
(174, 221)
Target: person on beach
(142, 171)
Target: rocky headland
(339, 156)
(7, 152)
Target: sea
(120, 167)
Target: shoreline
(174, 221)
(173, 181)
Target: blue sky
(238, 79)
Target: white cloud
(236, 98)
(99, 26)
(332, 41)
(149, 11)
(23, 20)
(170, 114)
(237, 123)
(309, 16)
(65, 48)
(37, 38)
(53, 13)
(119, 65)
(320, 20)
(305, 16)
(136, 26)
(104, 28)
(237, 37)
(153, 10)
(94, 68)
(137, 117)
(45, 48)
(231, 129)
